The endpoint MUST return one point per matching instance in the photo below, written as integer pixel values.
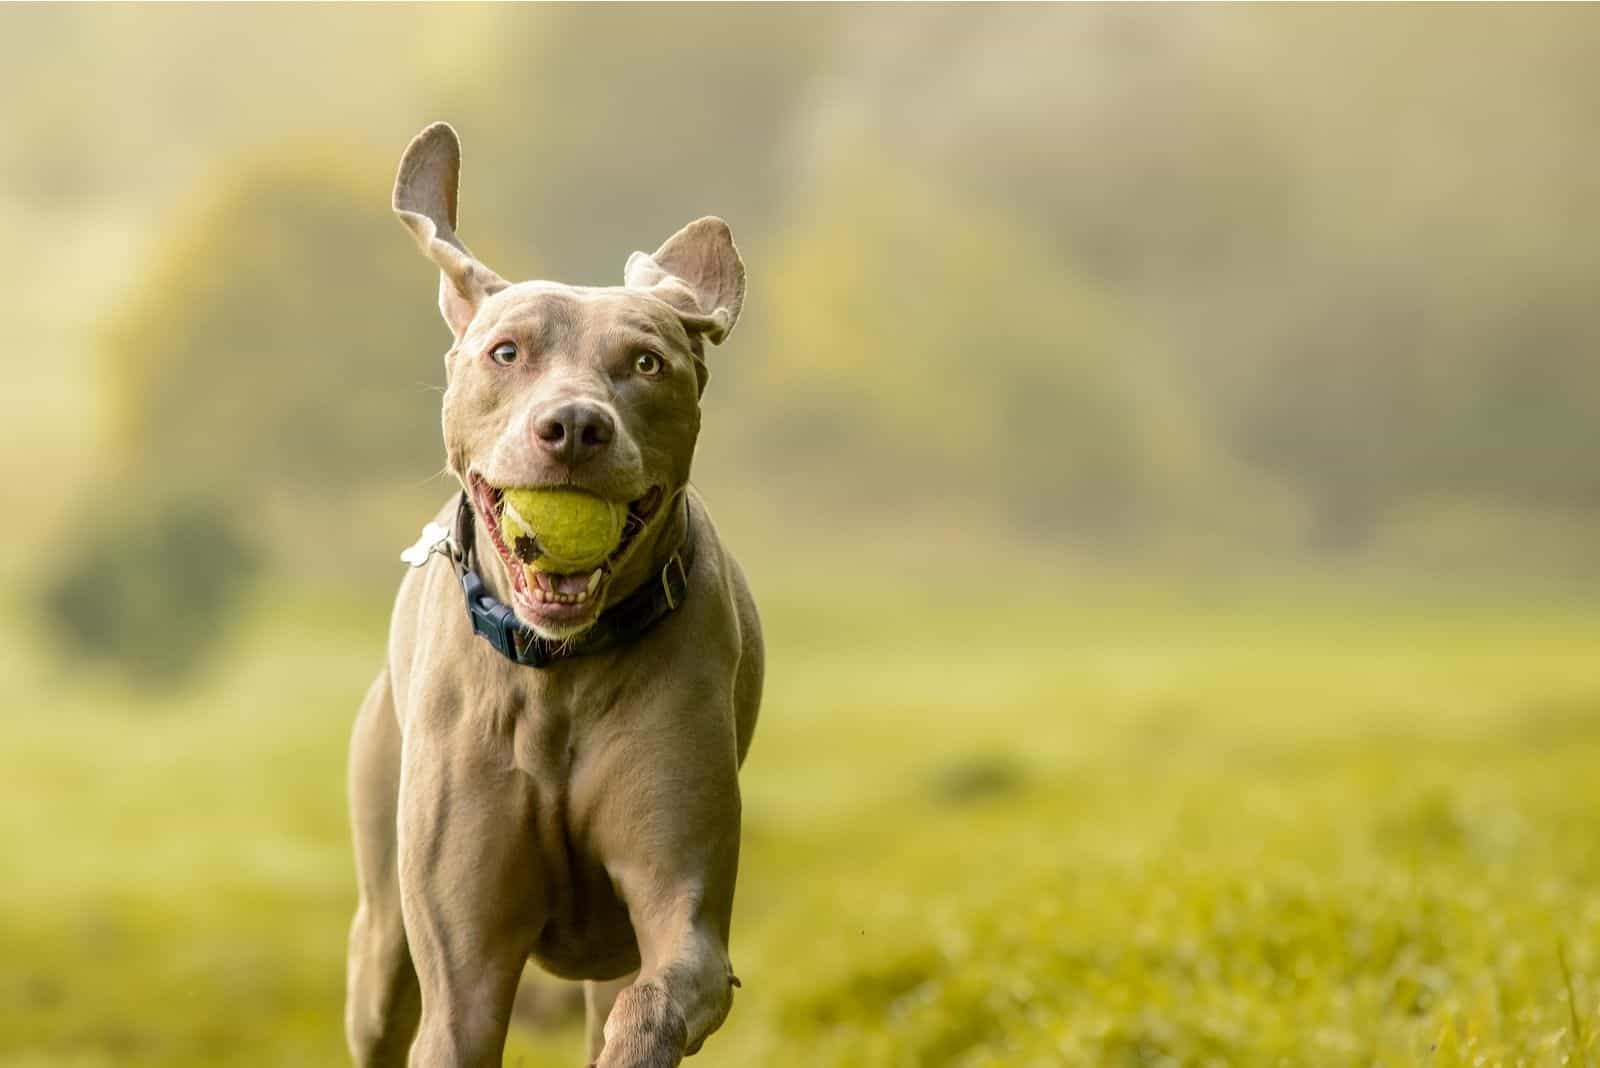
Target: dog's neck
(663, 538)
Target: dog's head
(555, 385)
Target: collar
(630, 617)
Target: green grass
(1066, 827)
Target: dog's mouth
(556, 603)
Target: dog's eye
(504, 353)
(648, 363)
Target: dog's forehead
(552, 308)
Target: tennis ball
(575, 530)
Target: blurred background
(1163, 441)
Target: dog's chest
(586, 932)
(543, 743)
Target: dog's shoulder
(427, 591)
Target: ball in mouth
(559, 545)
(558, 529)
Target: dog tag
(435, 539)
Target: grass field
(1062, 828)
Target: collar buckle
(498, 625)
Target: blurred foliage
(232, 368)
(149, 590)
(277, 341)
(1216, 284)
(1355, 234)
(923, 353)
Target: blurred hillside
(1210, 288)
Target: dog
(547, 767)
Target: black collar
(630, 617)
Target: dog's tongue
(577, 582)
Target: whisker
(443, 472)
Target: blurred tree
(279, 359)
(923, 356)
(1348, 248)
(149, 591)
(282, 337)
(1356, 230)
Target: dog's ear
(425, 200)
(698, 271)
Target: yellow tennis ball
(575, 530)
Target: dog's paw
(645, 1030)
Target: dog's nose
(575, 432)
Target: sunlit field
(1097, 827)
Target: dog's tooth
(580, 597)
(594, 581)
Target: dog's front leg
(468, 894)
(671, 838)
(681, 996)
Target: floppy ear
(698, 271)
(425, 200)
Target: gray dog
(567, 789)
